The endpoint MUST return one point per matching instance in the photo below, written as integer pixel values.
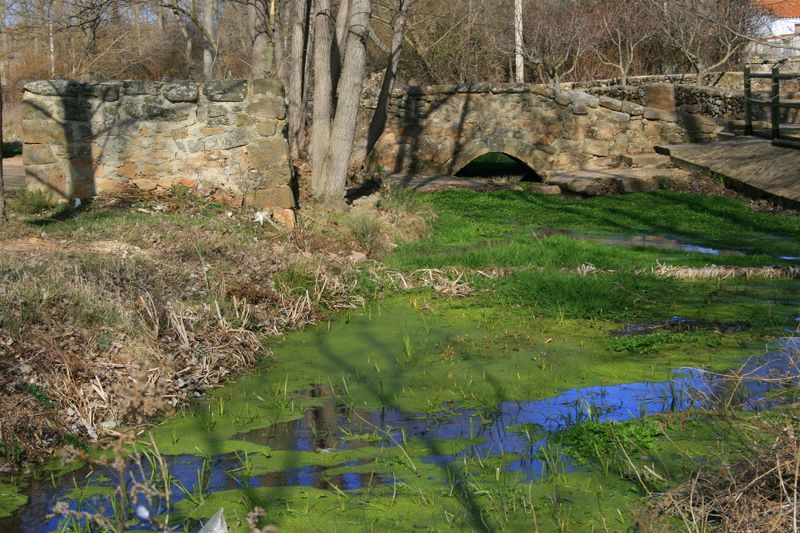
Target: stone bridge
(438, 130)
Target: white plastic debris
(76, 203)
(142, 513)
(261, 217)
(216, 524)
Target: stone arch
(520, 152)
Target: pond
(366, 418)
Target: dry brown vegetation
(759, 492)
(132, 306)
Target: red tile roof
(785, 9)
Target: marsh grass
(33, 202)
(366, 229)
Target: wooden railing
(780, 135)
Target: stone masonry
(223, 139)
(438, 130)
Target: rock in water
(216, 524)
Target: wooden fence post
(775, 102)
(748, 105)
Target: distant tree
(3, 213)
(708, 34)
(519, 43)
(379, 117)
(557, 34)
(623, 27)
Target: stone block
(544, 189)
(268, 153)
(226, 90)
(659, 114)
(108, 92)
(287, 217)
(37, 109)
(660, 96)
(617, 117)
(601, 133)
(579, 108)
(610, 103)
(267, 86)
(37, 154)
(45, 132)
(108, 186)
(128, 170)
(652, 129)
(632, 109)
(281, 197)
(233, 139)
(474, 88)
(57, 87)
(596, 148)
(563, 98)
(166, 114)
(141, 87)
(267, 127)
(181, 92)
(48, 177)
(221, 120)
(588, 100)
(144, 184)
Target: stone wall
(441, 129)
(223, 139)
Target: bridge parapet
(436, 130)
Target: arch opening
(498, 165)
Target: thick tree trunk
(262, 53)
(378, 122)
(297, 68)
(323, 95)
(209, 48)
(519, 42)
(349, 91)
(262, 56)
(337, 51)
(3, 213)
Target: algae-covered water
(416, 412)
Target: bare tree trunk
(337, 52)
(3, 213)
(519, 43)
(136, 17)
(52, 52)
(209, 48)
(378, 122)
(323, 95)
(262, 51)
(294, 90)
(349, 91)
(277, 18)
(308, 55)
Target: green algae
(417, 355)
(11, 499)
(412, 355)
